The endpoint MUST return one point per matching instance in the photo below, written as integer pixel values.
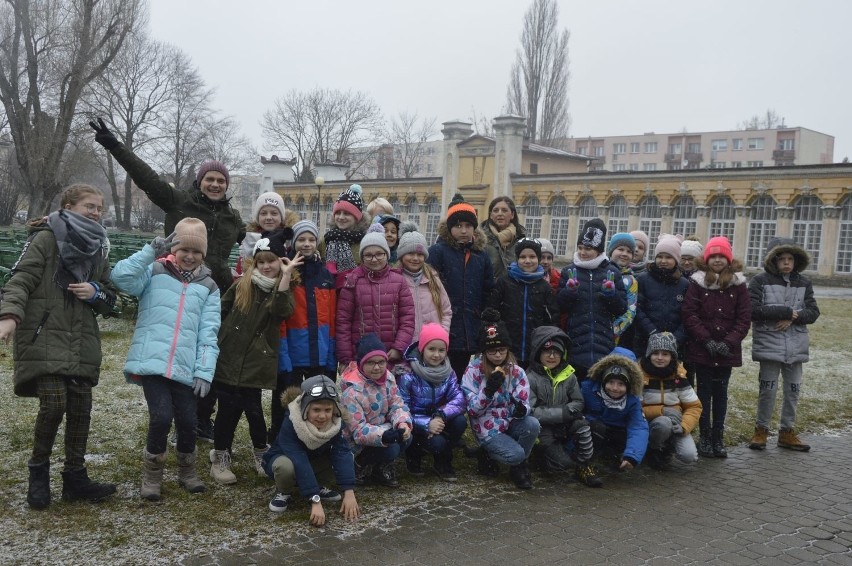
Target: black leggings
(233, 402)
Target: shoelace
(225, 461)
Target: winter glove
(572, 282)
(723, 349)
(520, 410)
(569, 415)
(495, 380)
(712, 348)
(200, 387)
(608, 286)
(391, 436)
(164, 245)
(672, 413)
(103, 136)
(677, 428)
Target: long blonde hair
(488, 368)
(434, 288)
(244, 293)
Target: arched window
(844, 240)
(410, 211)
(807, 226)
(288, 203)
(530, 216)
(433, 217)
(617, 216)
(761, 229)
(588, 210)
(650, 221)
(684, 216)
(394, 202)
(722, 218)
(301, 207)
(559, 225)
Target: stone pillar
(573, 230)
(509, 134)
(784, 225)
(546, 221)
(828, 240)
(741, 232)
(666, 221)
(454, 132)
(702, 223)
(633, 218)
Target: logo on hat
(491, 331)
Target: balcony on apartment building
(784, 154)
(692, 158)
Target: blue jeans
(169, 400)
(439, 443)
(513, 447)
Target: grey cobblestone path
(771, 507)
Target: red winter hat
(718, 245)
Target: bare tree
(538, 83)
(50, 50)
(321, 126)
(225, 142)
(482, 124)
(408, 134)
(10, 180)
(768, 121)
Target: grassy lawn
(128, 530)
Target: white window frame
(756, 143)
(685, 218)
(651, 147)
(761, 229)
(559, 225)
(650, 221)
(531, 216)
(844, 237)
(635, 147)
(807, 226)
(723, 218)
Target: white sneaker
(279, 503)
(258, 460)
(220, 467)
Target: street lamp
(319, 182)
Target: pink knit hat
(432, 331)
(718, 245)
(669, 244)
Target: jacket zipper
(173, 348)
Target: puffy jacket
(249, 341)
(658, 308)
(424, 399)
(671, 391)
(523, 307)
(424, 306)
(374, 301)
(55, 335)
(773, 298)
(712, 314)
(590, 313)
(625, 321)
(224, 225)
(373, 408)
(177, 324)
(308, 335)
(468, 278)
(490, 417)
(553, 279)
(500, 258)
(630, 418)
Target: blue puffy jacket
(424, 399)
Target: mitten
(572, 282)
(677, 428)
(162, 245)
(520, 410)
(390, 436)
(200, 387)
(675, 415)
(608, 286)
(495, 380)
(712, 348)
(723, 349)
(103, 136)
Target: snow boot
(220, 467)
(520, 474)
(187, 477)
(787, 438)
(152, 475)
(76, 486)
(38, 492)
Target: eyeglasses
(317, 391)
(93, 207)
(498, 350)
(376, 364)
(551, 352)
(375, 257)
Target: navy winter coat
(658, 308)
(524, 307)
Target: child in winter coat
(613, 407)
(557, 403)
(174, 348)
(643, 243)
(374, 298)
(268, 214)
(339, 246)
(311, 448)
(691, 252)
(524, 298)
(783, 304)
(497, 394)
(662, 289)
(58, 286)
(669, 402)
(717, 316)
(307, 345)
(551, 274)
(465, 268)
(380, 424)
(252, 310)
(391, 225)
(592, 296)
(431, 392)
(620, 251)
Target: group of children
(594, 361)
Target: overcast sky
(636, 66)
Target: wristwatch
(315, 498)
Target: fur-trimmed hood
(700, 278)
(778, 246)
(480, 240)
(599, 370)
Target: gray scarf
(433, 375)
(611, 403)
(83, 246)
(265, 283)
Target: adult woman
(502, 231)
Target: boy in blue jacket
(311, 447)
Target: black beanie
(593, 235)
(494, 332)
(528, 243)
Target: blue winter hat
(624, 352)
(370, 345)
(621, 239)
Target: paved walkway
(771, 507)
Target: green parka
(224, 225)
(56, 334)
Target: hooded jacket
(424, 400)
(424, 306)
(775, 297)
(224, 225)
(373, 408)
(468, 277)
(490, 417)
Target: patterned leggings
(62, 396)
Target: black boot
(485, 465)
(705, 444)
(385, 474)
(76, 485)
(719, 444)
(520, 474)
(38, 493)
(362, 470)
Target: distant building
(243, 190)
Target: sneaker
(588, 475)
(327, 494)
(220, 467)
(204, 430)
(787, 438)
(279, 503)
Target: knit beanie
(212, 165)
(494, 332)
(547, 246)
(318, 388)
(303, 226)
(719, 245)
(460, 211)
(640, 236)
(369, 346)
(621, 239)
(350, 201)
(375, 236)
(268, 199)
(274, 241)
(593, 235)
(691, 248)
(528, 243)
(432, 331)
(661, 341)
(668, 244)
(411, 241)
(192, 234)
(558, 344)
(621, 373)
(385, 218)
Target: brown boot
(758, 441)
(787, 438)
(187, 477)
(152, 477)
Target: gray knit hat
(303, 226)
(411, 241)
(547, 246)
(375, 236)
(268, 199)
(661, 341)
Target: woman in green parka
(58, 287)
